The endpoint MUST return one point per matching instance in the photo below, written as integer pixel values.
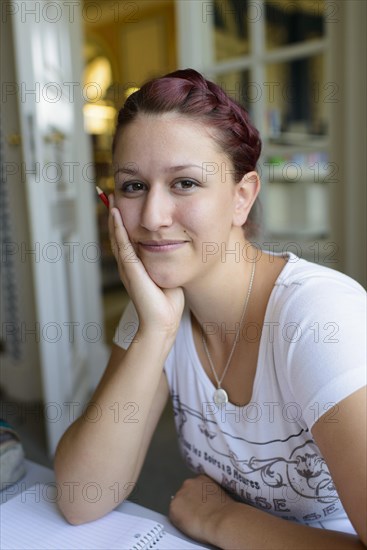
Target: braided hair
(187, 92)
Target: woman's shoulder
(299, 271)
(304, 288)
(316, 330)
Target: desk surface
(39, 474)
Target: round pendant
(220, 396)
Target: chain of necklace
(220, 395)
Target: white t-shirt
(311, 356)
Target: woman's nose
(157, 210)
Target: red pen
(102, 196)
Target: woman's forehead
(172, 130)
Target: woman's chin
(165, 279)
(165, 282)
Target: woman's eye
(132, 187)
(186, 184)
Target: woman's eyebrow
(182, 167)
(133, 171)
(126, 170)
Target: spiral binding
(150, 539)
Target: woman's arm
(99, 458)
(343, 444)
(204, 511)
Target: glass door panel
(296, 98)
(269, 55)
(231, 33)
(295, 164)
(293, 22)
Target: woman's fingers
(155, 306)
(124, 249)
(111, 225)
(131, 269)
(118, 236)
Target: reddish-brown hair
(188, 93)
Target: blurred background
(298, 66)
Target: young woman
(261, 353)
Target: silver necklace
(220, 395)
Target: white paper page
(32, 521)
(30, 524)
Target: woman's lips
(161, 246)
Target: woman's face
(174, 188)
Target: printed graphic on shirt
(285, 476)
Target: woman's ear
(245, 195)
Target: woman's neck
(217, 304)
(219, 298)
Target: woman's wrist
(156, 337)
(220, 521)
(159, 328)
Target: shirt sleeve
(322, 338)
(127, 327)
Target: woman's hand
(158, 309)
(198, 506)
(204, 511)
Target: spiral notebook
(32, 520)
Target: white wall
(348, 118)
